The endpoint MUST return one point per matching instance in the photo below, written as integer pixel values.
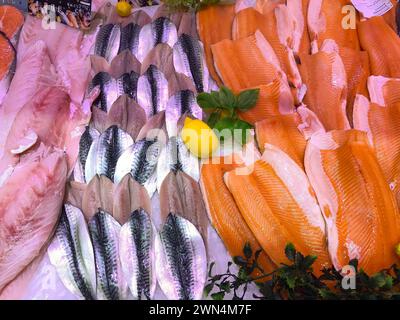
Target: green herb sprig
(296, 280)
(223, 107)
(193, 5)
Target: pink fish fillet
(30, 203)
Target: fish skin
(176, 157)
(104, 232)
(189, 59)
(137, 255)
(71, 253)
(127, 84)
(108, 41)
(152, 92)
(181, 103)
(130, 38)
(360, 210)
(161, 30)
(109, 90)
(105, 151)
(181, 260)
(32, 205)
(87, 138)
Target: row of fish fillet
(325, 123)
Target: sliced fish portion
(104, 152)
(71, 252)
(108, 41)
(161, 30)
(182, 102)
(137, 254)
(89, 135)
(181, 260)
(189, 60)
(127, 84)
(152, 91)
(104, 232)
(130, 38)
(109, 90)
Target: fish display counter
(212, 150)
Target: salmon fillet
(301, 40)
(223, 212)
(382, 44)
(278, 29)
(325, 77)
(384, 91)
(360, 210)
(214, 24)
(7, 64)
(382, 125)
(325, 21)
(274, 98)
(279, 206)
(11, 21)
(392, 16)
(247, 62)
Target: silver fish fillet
(127, 84)
(189, 60)
(109, 90)
(71, 253)
(140, 160)
(105, 152)
(152, 93)
(130, 38)
(108, 41)
(176, 157)
(182, 102)
(181, 260)
(161, 30)
(89, 135)
(136, 240)
(104, 232)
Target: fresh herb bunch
(297, 280)
(223, 106)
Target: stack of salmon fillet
(327, 123)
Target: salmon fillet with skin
(30, 202)
(274, 98)
(11, 21)
(382, 125)
(288, 132)
(247, 62)
(279, 207)
(278, 29)
(325, 77)
(384, 91)
(360, 210)
(214, 24)
(224, 213)
(325, 21)
(382, 45)
(7, 65)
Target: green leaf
(247, 99)
(224, 123)
(290, 251)
(309, 261)
(205, 101)
(388, 283)
(213, 119)
(208, 288)
(218, 295)
(227, 98)
(243, 126)
(247, 250)
(225, 286)
(214, 96)
(240, 261)
(290, 280)
(378, 280)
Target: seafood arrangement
(100, 185)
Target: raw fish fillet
(274, 98)
(382, 45)
(384, 91)
(224, 213)
(232, 61)
(278, 28)
(11, 21)
(30, 203)
(279, 206)
(7, 65)
(326, 20)
(382, 125)
(361, 214)
(392, 17)
(325, 77)
(214, 24)
(301, 39)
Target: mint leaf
(205, 101)
(213, 119)
(227, 98)
(225, 123)
(218, 295)
(247, 99)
